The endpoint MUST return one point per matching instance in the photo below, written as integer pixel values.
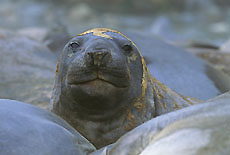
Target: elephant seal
(103, 87)
(26, 129)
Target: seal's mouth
(114, 77)
(88, 82)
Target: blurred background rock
(46, 25)
(206, 20)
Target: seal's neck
(101, 131)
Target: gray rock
(226, 47)
(54, 38)
(35, 33)
(197, 130)
(27, 68)
(219, 59)
(26, 129)
(163, 28)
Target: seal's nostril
(98, 57)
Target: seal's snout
(98, 57)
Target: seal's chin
(97, 90)
(96, 95)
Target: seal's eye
(74, 45)
(127, 48)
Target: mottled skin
(103, 87)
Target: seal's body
(103, 87)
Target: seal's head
(99, 75)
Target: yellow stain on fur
(176, 106)
(131, 121)
(139, 105)
(57, 69)
(99, 32)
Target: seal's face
(98, 62)
(99, 71)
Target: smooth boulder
(26, 129)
